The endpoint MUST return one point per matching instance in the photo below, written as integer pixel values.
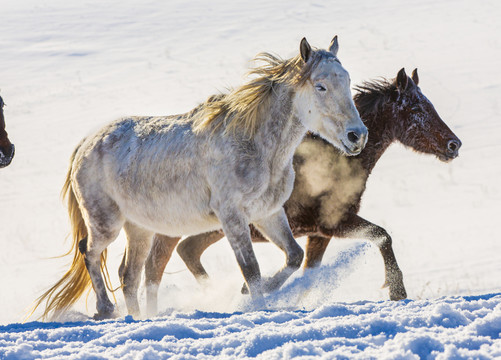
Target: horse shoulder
(236, 174)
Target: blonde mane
(239, 109)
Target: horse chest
(274, 195)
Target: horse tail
(76, 280)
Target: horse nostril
(453, 145)
(353, 136)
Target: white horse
(225, 164)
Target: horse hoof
(400, 294)
(245, 289)
(105, 315)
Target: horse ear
(415, 76)
(334, 46)
(305, 50)
(402, 80)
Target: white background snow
(67, 68)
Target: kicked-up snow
(67, 68)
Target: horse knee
(382, 238)
(295, 259)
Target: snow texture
(445, 328)
(67, 68)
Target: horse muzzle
(6, 156)
(452, 150)
(356, 140)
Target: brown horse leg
(315, 249)
(357, 227)
(160, 253)
(192, 248)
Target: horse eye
(320, 87)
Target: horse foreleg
(236, 227)
(160, 253)
(357, 227)
(137, 249)
(192, 248)
(315, 249)
(276, 229)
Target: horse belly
(173, 213)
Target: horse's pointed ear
(415, 76)
(305, 50)
(334, 46)
(402, 80)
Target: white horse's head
(324, 102)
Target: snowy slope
(66, 68)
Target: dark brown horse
(329, 186)
(6, 147)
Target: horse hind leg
(103, 229)
(160, 253)
(191, 249)
(315, 250)
(137, 249)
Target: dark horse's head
(418, 124)
(6, 147)
(398, 110)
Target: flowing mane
(239, 109)
(371, 95)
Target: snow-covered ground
(66, 68)
(446, 328)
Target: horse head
(418, 123)
(324, 101)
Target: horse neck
(282, 131)
(381, 136)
